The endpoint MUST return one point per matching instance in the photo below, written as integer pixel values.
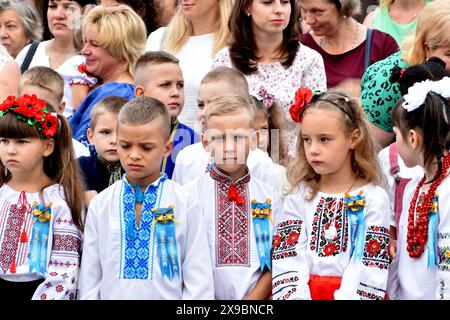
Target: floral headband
(303, 96)
(418, 92)
(33, 111)
(267, 98)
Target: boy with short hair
(237, 207)
(48, 85)
(145, 237)
(102, 168)
(158, 75)
(193, 161)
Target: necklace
(355, 38)
(418, 230)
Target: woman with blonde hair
(198, 30)
(397, 18)
(378, 94)
(114, 38)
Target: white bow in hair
(418, 92)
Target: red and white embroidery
(286, 239)
(232, 223)
(376, 247)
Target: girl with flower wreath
(421, 119)
(41, 202)
(332, 238)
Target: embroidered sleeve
(366, 276)
(443, 268)
(81, 76)
(290, 271)
(62, 270)
(314, 74)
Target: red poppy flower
(276, 240)
(8, 103)
(292, 238)
(50, 125)
(303, 96)
(373, 247)
(329, 249)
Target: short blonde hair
(120, 30)
(46, 78)
(432, 31)
(111, 104)
(233, 77)
(151, 58)
(180, 29)
(227, 104)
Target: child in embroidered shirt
(194, 161)
(102, 168)
(41, 201)
(332, 239)
(47, 84)
(422, 130)
(158, 75)
(145, 237)
(236, 206)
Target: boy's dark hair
(46, 78)
(151, 58)
(142, 110)
(432, 69)
(111, 104)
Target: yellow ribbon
(164, 217)
(42, 216)
(261, 213)
(356, 205)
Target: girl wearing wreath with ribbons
(41, 202)
(420, 269)
(332, 237)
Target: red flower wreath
(33, 111)
(303, 96)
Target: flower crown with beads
(33, 111)
(303, 96)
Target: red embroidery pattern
(367, 292)
(66, 242)
(11, 237)
(329, 214)
(286, 239)
(66, 263)
(232, 223)
(376, 247)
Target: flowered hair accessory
(418, 92)
(33, 111)
(303, 96)
(267, 98)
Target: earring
(344, 16)
(248, 14)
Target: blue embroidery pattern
(137, 248)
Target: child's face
(104, 137)
(261, 125)
(407, 151)
(165, 83)
(43, 94)
(206, 92)
(141, 150)
(327, 147)
(15, 154)
(228, 139)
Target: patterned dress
(63, 244)
(314, 239)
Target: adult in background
(198, 30)
(114, 38)
(341, 41)
(9, 75)
(378, 94)
(265, 48)
(398, 18)
(20, 24)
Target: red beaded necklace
(418, 233)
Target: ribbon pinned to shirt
(164, 224)
(261, 222)
(432, 232)
(355, 210)
(39, 237)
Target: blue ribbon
(432, 233)
(261, 223)
(167, 242)
(355, 211)
(39, 240)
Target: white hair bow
(418, 92)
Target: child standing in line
(158, 76)
(237, 207)
(102, 168)
(144, 237)
(47, 84)
(332, 239)
(41, 203)
(422, 129)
